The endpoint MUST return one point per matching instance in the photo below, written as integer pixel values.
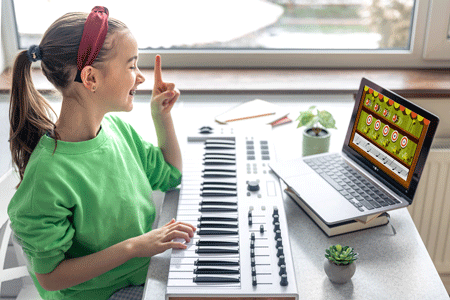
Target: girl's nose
(140, 77)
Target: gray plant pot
(313, 144)
(339, 273)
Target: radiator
(430, 210)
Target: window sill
(406, 82)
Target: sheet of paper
(253, 109)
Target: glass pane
(241, 24)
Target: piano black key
(219, 170)
(219, 156)
(216, 162)
(216, 225)
(218, 194)
(220, 153)
(217, 232)
(216, 251)
(211, 279)
(204, 262)
(217, 209)
(219, 147)
(216, 243)
(225, 219)
(219, 175)
(216, 271)
(222, 183)
(218, 203)
(220, 141)
(218, 187)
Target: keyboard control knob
(275, 211)
(261, 229)
(252, 262)
(254, 271)
(252, 244)
(252, 236)
(253, 186)
(276, 226)
(282, 270)
(254, 282)
(279, 243)
(280, 251)
(281, 260)
(277, 234)
(276, 218)
(284, 281)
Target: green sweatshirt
(86, 197)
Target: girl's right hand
(159, 240)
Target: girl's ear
(89, 78)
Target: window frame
(422, 40)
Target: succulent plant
(341, 255)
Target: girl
(83, 209)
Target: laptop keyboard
(352, 185)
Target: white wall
(2, 59)
(5, 154)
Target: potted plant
(340, 263)
(316, 139)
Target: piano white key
(219, 158)
(197, 216)
(200, 198)
(199, 167)
(221, 141)
(199, 180)
(194, 255)
(190, 269)
(177, 282)
(190, 261)
(221, 151)
(207, 186)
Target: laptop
(379, 167)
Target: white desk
(389, 266)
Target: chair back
(8, 183)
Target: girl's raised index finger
(158, 75)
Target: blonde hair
(30, 114)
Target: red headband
(94, 33)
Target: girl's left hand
(164, 94)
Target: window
(267, 33)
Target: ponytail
(29, 114)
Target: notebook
(379, 166)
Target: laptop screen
(392, 134)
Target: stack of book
(344, 227)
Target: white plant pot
(339, 273)
(315, 144)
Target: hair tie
(94, 34)
(34, 53)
